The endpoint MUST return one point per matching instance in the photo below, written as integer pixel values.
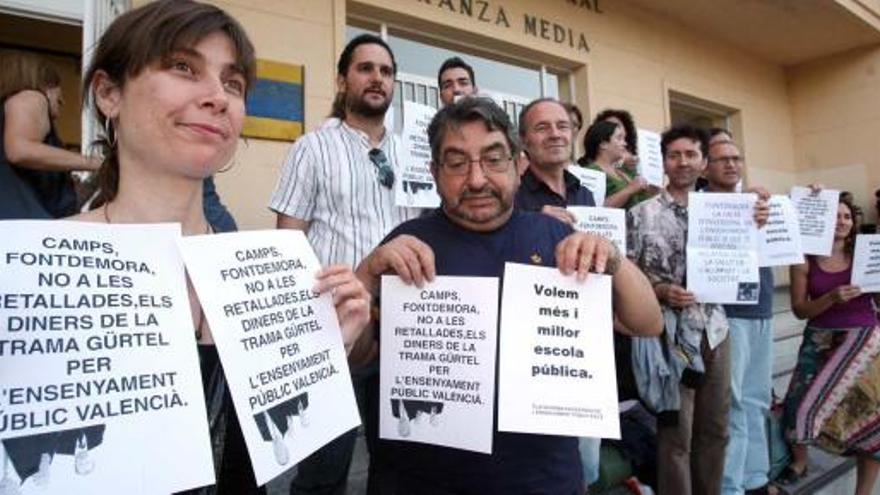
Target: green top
(614, 184)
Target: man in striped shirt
(337, 184)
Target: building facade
(795, 81)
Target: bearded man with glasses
(473, 233)
(337, 184)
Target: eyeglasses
(724, 160)
(491, 163)
(386, 173)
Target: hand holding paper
(845, 293)
(409, 258)
(677, 296)
(581, 252)
(351, 299)
(559, 213)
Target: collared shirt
(534, 194)
(329, 181)
(656, 232)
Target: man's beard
(359, 106)
(456, 211)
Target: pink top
(858, 312)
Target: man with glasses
(691, 443)
(746, 464)
(337, 184)
(473, 233)
(546, 132)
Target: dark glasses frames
(386, 173)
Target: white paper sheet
(722, 255)
(438, 349)
(779, 242)
(866, 262)
(610, 223)
(99, 374)
(414, 186)
(279, 342)
(650, 157)
(594, 180)
(817, 216)
(556, 371)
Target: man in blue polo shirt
(474, 232)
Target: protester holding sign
(168, 81)
(475, 231)
(692, 432)
(604, 148)
(841, 329)
(751, 345)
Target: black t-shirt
(519, 463)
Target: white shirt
(328, 180)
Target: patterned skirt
(833, 399)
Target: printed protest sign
(722, 251)
(556, 371)
(610, 223)
(594, 180)
(866, 263)
(650, 157)
(779, 242)
(438, 361)
(817, 216)
(100, 389)
(279, 342)
(415, 185)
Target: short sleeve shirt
(656, 232)
(329, 181)
(519, 463)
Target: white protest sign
(594, 180)
(279, 342)
(779, 242)
(438, 362)
(415, 186)
(610, 223)
(556, 372)
(722, 251)
(650, 157)
(100, 389)
(817, 216)
(866, 263)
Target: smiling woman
(168, 83)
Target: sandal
(789, 476)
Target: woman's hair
(148, 35)
(598, 133)
(850, 242)
(629, 126)
(23, 70)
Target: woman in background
(839, 319)
(168, 82)
(604, 148)
(35, 180)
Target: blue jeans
(589, 450)
(751, 355)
